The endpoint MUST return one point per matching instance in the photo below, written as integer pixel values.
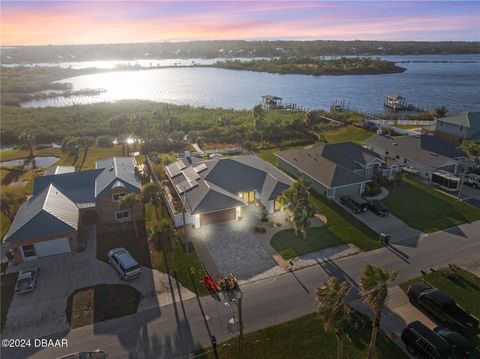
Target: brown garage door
(219, 216)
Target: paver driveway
(233, 248)
(42, 311)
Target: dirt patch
(102, 302)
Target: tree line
(231, 48)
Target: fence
(384, 123)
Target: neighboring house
(63, 201)
(216, 190)
(459, 127)
(336, 170)
(422, 155)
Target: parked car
(361, 202)
(97, 354)
(27, 280)
(472, 179)
(443, 308)
(463, 347)
(425, 342)
(124, 263)
(354, 206)
(378, 208)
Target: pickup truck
(443, 308)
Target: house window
(29, 250)
(122, 216)
(440, 123)
(118, 196)
(248, 197)
(277, 207)
(461, 129)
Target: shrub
(105, 141)
(260, 230)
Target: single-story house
(465, 126)
(336, 170)
(421, 154)
(216, 190)
(63, 201)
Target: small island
(314, 66)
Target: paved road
(176, 330)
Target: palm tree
(440, 112)
(333, 310)
(128, 202)
(296, 200)
(152, 193)
(87, 142)
(375, 284)
(27, 139)
(472, 149)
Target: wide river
(452, 81)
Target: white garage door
(51, 247)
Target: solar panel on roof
(180, 165)
(173, 170)
(201, 167)
(190, 174)
(183, 186)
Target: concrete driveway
(399, 230)
(231, 247)
(42, 311)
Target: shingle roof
(116, 169)
(49, 212)
(347, 154)
(429, 150)
(224, 178)
(331, 164)
(466, 119)
(322, 170)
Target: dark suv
(378, 208)
(348, 202)
(425, 342)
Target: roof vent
(110, 169)
(434, 154)
(309, 154)
(395, 144)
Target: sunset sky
(83, 22)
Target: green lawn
(426, 209)
(269, 154)
(7, 286)
(305, 338)
(346, 134)
(180, 263)
(290, 246)
(465, 288)
(344, 226)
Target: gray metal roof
(59, 170)
(116, 169)
(312, 162)
(430, 150)
(49, 212)
(221, 182)
(466, 119)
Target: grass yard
(7, 286)
(138, 247)
(344, 226)
(102, 302)
(305, 338)
(178, 262)
(465, 288)
(290, 246)
(269, 154)
(347, 134)
(426, 209)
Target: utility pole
(241, 342)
